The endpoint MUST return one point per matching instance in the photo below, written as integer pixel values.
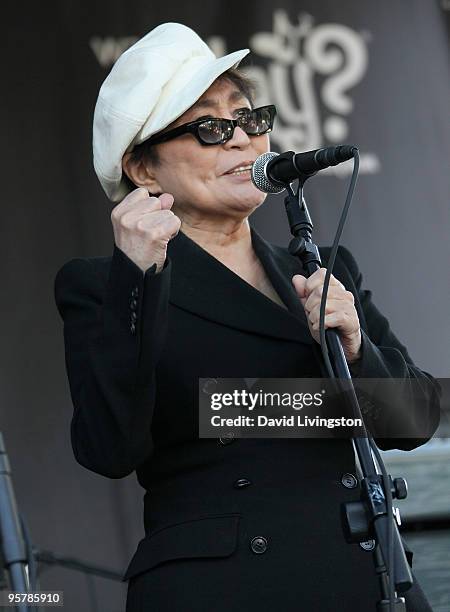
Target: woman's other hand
(143, 226)
(340, 311)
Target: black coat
(136, 346)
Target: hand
(340, 311)
(143, 226)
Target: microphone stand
(367, 518)
(12, 547)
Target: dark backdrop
(372, 74)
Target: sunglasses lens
(258, 121)
(214, 131)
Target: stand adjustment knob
(400, 488)
(349, 481)
(297, 245)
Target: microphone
(271, 172)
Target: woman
(192, 291)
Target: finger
(139, 210)
(317, 280)
(130, 209)
(334, 293)
(166, 200)
(169, 221)
(345, 322)
(176, 226)
(163, 223)
(332, 306)
(299, 283)
(137, 195)
(314, 313)
(329, 323)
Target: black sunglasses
(254, 122)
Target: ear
(141, 174)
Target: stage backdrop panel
(371, 74)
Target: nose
(239, 139)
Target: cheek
(189, 180)
(262, 144)
(186, 164)
(193, 162)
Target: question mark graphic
(337, 50)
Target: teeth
(241, 170)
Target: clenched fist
(340, 311)
(143, 226)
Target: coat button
(133, 304)
(258, 545)
(349, 481)
(241, 483)
(367, 545)
(133, 328)
(228, 438)
(135, 292)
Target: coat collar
(204, 286)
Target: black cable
(331, 374)
(389, 509)
(337, 238)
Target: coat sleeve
(111, 355)
(409, 403)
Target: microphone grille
(259, 176)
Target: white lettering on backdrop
(308, 73)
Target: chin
(245, 208)
(250, 198)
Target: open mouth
(240, 170)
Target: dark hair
(148, 153)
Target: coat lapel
(204, 286)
